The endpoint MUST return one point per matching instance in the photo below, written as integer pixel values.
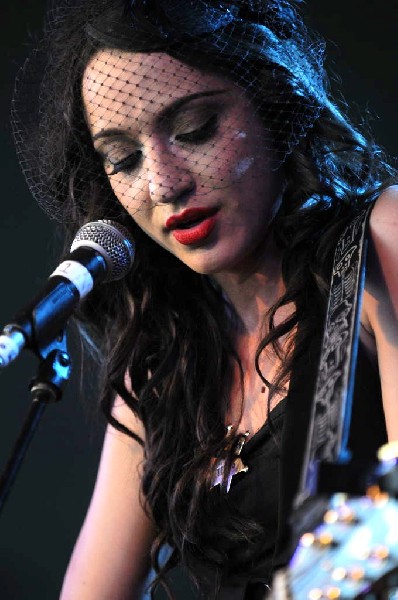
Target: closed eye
(127, 164)
(201, 134)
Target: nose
(169, 176)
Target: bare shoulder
(111, 556)
(383, 251)
(384, 217)
(380, 303)
(126, 417)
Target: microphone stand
(102, 250)
(45, 388)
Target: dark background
(42, 517)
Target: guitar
(353, 554)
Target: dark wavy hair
(163, 321)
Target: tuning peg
(324, 540)
(330, 593)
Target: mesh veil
(184, 97)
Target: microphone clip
(53, 371)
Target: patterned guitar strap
(329, 426)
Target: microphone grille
(113, 241)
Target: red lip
(190, 214)
(197, 233)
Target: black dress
(274, 455)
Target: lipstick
(193, 225)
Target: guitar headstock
(352, 554)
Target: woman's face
(186, 155)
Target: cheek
(130, 193)
(226, 164)
(243, 166)
(143, 220)
(241, 158)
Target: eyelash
(198, 136)
(202, 134)
(126, 164)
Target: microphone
(102, 251)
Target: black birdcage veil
(181, 97)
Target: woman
(206, 129)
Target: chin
(201, 269)
(209, 266)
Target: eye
(125, 165)
(201, 134)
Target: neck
(253, 288)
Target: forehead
(144, 83)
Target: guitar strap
(331, 406)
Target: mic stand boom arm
(47, 386)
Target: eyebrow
(166, 113)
